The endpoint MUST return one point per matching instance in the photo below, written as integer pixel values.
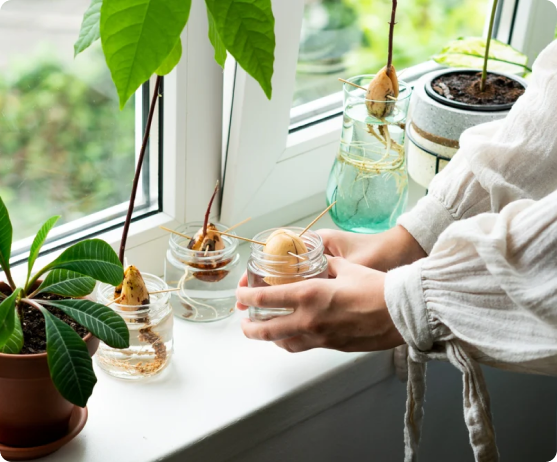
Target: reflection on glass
(343, 38)
(65, 147)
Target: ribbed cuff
(405, 301)
(426, 221)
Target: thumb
(337, 265)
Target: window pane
(344, 38)
(65, 147)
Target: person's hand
(347, 313)
(382, 252)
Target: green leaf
(104, 323)
(220, 49)
(137, 36)
(39, 241)
(71, 367)
(90, 27)
(470, 51)
(6, 232)
(67, 283)
(94, 258)
(246, 28)
(171, 60)
(14, 344)
(7, 317)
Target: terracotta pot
(32, 411)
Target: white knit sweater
(487, 292)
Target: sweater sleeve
(498, 162)
(490, 285)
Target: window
(342, 38)
(84, 148)
(280, 152)
(65, 147)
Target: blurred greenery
(65, 148)
(423, 28)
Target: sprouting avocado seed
(383, 87)
(281, 243)
(132, 291)
(211, 242)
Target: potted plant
(447, 102)
(48, 333)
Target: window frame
(277, 172)
(189, 140)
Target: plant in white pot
(48, 333)
(445, 103)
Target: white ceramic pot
(436, 124)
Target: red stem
(208, 212)
(391, 33)
(138, 169)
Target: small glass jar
(151, 337)
(269, 270)
(207, 280)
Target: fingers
(337, 265)
(282, 296)
(330, 241)
(276, 329)
(243, 283)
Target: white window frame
(192, 149)
(278, 176)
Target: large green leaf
(220, 49)
(67, 283)
(6, 232)
(14, 344)
(90, 27)
(38, 243)
(470, 51)
(247, 30)
(137, 36)
(171, 60)
(104, 323)
(7, 317)
(92, 257)
(69, 362)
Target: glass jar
(269, 270)
(151, 338)
(207, 280)
(369, 179)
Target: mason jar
(270, 270)
(151, 336)
(206, 281)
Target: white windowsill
(222, 394)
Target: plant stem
(391, 33)
(33, 303)
(6, 267)
(138, 169)
(487, 44)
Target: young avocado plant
(67, 279)
(142, 37)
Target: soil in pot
(33, 324)
(465, 88)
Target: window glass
(344, 38)
(65, 147)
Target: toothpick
(353, 84)
(115, 300)
(297, 256)
(239, 237)
(318, 218)
(237, 224)
(163, 291)
(174, 232)
(391, 97)
(206, 251)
